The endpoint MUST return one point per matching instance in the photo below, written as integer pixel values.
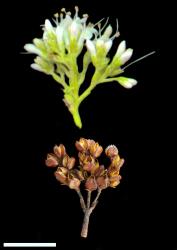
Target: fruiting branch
(88, 171)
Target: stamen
(99, 27)
(77, 11)
(117, 25)
(98, 22)
(63, 10)
(85, 15)
(68, 13)
(139, 59)
(105, 24)
(56, 15)
(117, 34)
(61, 16)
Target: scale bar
(6, 244)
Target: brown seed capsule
(71, 162)
(60, 176)
(111, 151)
(88, 166)
(78, 174)
(103, 182)
(51, 161)
(96, 150)
(74, 183)
(81, 145)
(91, 184)
(65, 161)
(114, 181)
(99, 171)
(117, 162)
(60, 151)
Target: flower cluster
(94, 175)
(61, 44)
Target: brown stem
(82, 202)
(85, 224)
(94, 203)
(88, 212)
(89, 199)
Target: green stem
(86, 93)
(59, 80)
(76, 117)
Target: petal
(126, 56)
(48, 26)
(36, 67)
(91, 47)
(32, 49)
(121, 48)
(107, 32)
(59, 33)
(108, 45)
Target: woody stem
(94, 203)
(82, 202)
(88, 211)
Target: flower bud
(51, 161)
(111, 151)
(91, 184)
(31, 48)
(60, 151)
(37, 67)
(127, 82)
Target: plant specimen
(62, 43)
(88, 170)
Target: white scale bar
(29, 244)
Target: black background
(139, 213)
